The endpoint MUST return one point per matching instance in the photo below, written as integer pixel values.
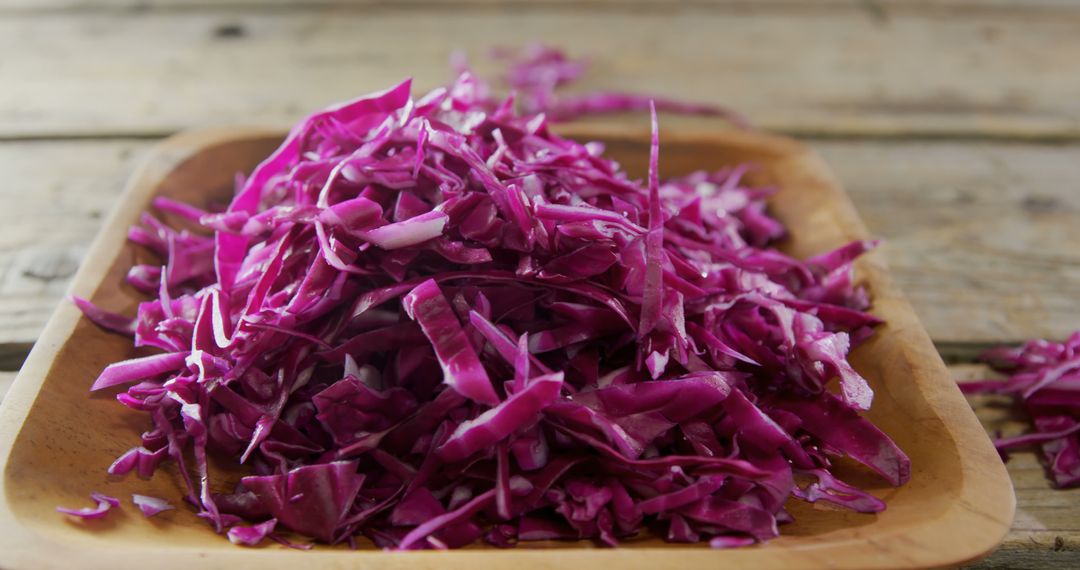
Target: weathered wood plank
(981, 237)
(1046, 529)
(875, 5)
(55, 195)
(6, 380)
(150, 72)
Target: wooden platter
(56, 440)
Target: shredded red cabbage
(537, 71)
(433, 321)
(150, 506)
(104, 504)
(1044, 379)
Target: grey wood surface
(836, 69)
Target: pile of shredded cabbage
(1044, 380)
(433, 321)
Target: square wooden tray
(56, 439)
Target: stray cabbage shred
(1044, 381)
(430, 322)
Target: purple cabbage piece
(433, 321)
(518, 411)
(829, 489)
(312, 499)
(407, 233)
(251, 535)
(150, 506)
(841, 428)
(105, 319)
(536, 71)
(462, 369)
(135, 369)
(464, 512)
(105, 504)
(1044, 379)
(138, 459)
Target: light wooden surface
(954, 125)
(838, 69)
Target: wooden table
(955, 126)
